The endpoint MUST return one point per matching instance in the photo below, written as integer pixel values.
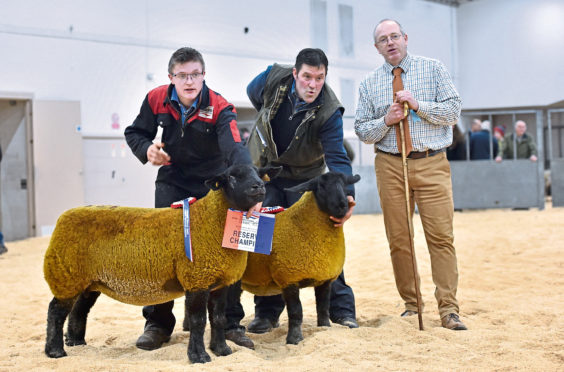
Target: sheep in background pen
(307, 250)
(136, 256)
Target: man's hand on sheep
(156, 155)
(341, 221)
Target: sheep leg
(76, 327)
(196, 305)
(186, 322)
(291, 295)
(322, 298)
(56, 315)
(216, 310)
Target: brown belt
(416, 154)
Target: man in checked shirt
(434, 108)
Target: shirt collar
(174, 97)
(300, 103)
(404, 64)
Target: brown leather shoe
(452, 321)
(151, 340)
(239, 337)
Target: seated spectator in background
(518, 145)
(476, 125)
(480, 148)
(457, 150)
(499, 132)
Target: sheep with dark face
(307, 250)
(136, 256)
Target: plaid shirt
(430, 84)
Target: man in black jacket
(199, 140)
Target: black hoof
(294, 338)
(55, 353)
(73, 342)
(70, 342)
(222, 350)
(324, 323)
(199, 357)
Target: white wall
(511, 53)
(108, 54)
(101, 52)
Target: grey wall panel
(14, 222)
(366, 192)
(557, 182)
(476, 185)
(486, 184)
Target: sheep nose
(258, 188)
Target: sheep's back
(306, 250)
(126, 253)
(136, 255)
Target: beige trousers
(431, 188)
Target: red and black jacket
(199, 149)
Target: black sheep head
(242, 185)
(330, 192)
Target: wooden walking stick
(409, 221)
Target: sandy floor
(511, 294)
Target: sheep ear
(352, 179)
(310, 185)
(270, 171)
(216, 182)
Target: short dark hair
(312, 57)
(183, 55)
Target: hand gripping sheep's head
(242, 184)
(330, 192)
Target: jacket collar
(203, 100)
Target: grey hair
(385, 20)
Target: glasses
(384, 39)
(184, 76)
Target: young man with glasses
(299, 127)
(199, 140)
(434, 107)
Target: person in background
(199, 140)
(524, 142)
(480, 143)
(299, 127)
(434, 107)
(476, 126)
(499, 132)
(457, 150)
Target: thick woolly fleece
(307, 250)
(136, 255)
